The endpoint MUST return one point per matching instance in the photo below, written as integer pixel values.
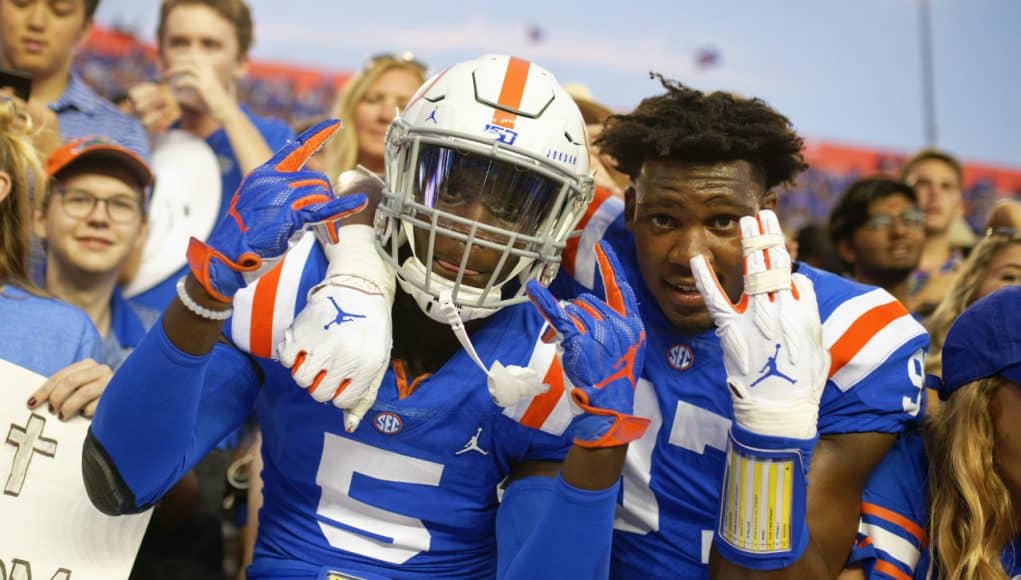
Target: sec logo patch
(680, 357)
(388, 423)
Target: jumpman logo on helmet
(770, 369)
(342, 316)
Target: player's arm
(162, 412)
(770, 522)
(841, 465)
(563, 528)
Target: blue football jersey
(672, 478)
(892, 541)
(413, 491)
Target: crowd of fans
(97, 118)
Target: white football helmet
(487, 173)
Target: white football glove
(339, 345)
(776, 363)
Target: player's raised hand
(772, 338)
(274, 201)
(603, 344)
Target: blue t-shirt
(128, 325)
(412, 492)
(44, 335)
(673, 475)
(275, 133)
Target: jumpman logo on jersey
(770, 369)
(432, 117)
(473, 444)
(342, 316)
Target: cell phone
(17, 80)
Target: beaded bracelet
(196, 308)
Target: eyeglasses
(79, 204)
(406, 57)
(911, 218)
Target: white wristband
(196, 308)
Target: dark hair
(933, 155)
(852, 210)
(234, 11)
(90, 9)
(688, 125)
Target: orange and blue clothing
(892, 541)
(411, 493)
(672, 481)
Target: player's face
(374, 113)
(939, 193)
(197, 35)
(678, 210)
(1004, 270)
(890, 241)
(94, 244)
(38, 37)
(1005, 408)
(480, 190)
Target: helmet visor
(492, 192)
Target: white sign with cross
(48, 527)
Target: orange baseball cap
(96, 147)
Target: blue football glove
(274, 201)
(603, 346)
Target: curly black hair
(688, 125)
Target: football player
(744, 411)
(486, 174)
(744, 407)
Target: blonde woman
(38, 333)
(366, 105)
(995, 262)
(946, 502)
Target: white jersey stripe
(841, 319)
(875, 352)
(241, 321)
(595, 229)
(903, 550)
(287, 289)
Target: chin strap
(507, 384)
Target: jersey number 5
(354, 525)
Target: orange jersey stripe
(570, 252)
(907, 525)
(263, 306)
(890, 570)
(861, 331)
(542, 405)
(511, 92)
